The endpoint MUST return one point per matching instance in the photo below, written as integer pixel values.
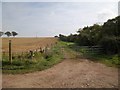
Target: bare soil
(70, 73)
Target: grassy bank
(38, 63)
(96, 55)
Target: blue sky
(46, 19)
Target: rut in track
(70, 73)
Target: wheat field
(26, 44)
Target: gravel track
(70, 73)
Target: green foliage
(89, 36)
(107, 36)
(62, 37)
(8, 33)
(109, 44)
(96, 56)
(14, 33)
(110, 36)
(70, 38)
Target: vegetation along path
(72, 72)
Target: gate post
(10, 52)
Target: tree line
(106, 36)
(8, 33)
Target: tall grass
(38, 63)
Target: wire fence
(29, 54)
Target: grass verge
(109, 60)
(38, 63)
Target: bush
(110, 45)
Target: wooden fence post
(10, 52)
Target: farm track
(70, 73)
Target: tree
(107, 36)
(62, 37)
(110, 36)
(8, 34)
(14, 33)
(1, 33)
(56, 36)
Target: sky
(46, 19)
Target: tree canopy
(14, 33)
(107, 36)
(8, 33)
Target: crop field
(26, 44)
(30, 54)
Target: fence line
(29, 53)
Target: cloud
(106, 14)
(0, 16)
(109, 12)
(119, 8)
(60, 0)
(49, 19)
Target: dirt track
(70, 73)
